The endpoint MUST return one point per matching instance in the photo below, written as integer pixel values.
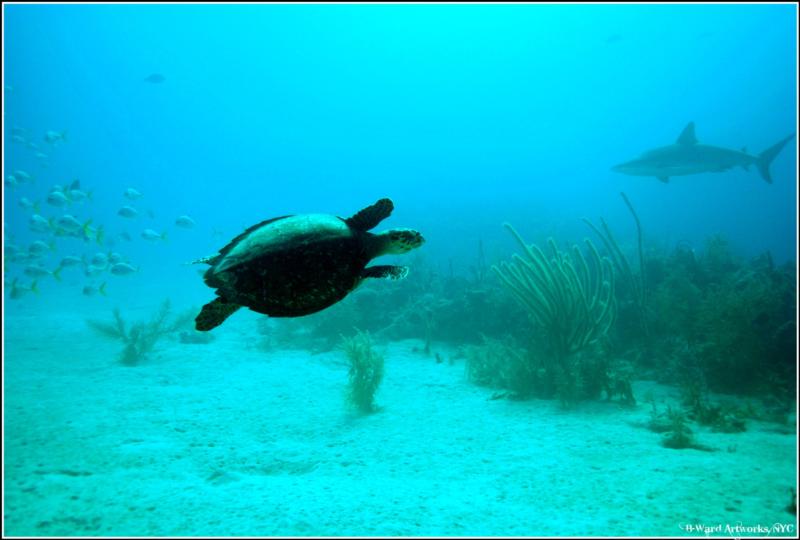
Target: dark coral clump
(727, 321)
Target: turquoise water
(467, 117)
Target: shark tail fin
(766, 157)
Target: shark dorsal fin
(687, 135)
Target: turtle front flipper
(370, 216)
(214, 314)
(385, 271)
(211, 259)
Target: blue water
(466, 116)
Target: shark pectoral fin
(687, 135)
(664, 179)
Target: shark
(687, 156)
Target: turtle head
(397, 241)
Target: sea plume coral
(366, 371)
(570, 299)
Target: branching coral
(140, 338)
(678, 434)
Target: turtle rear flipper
(214, 313)
(370, 216)
(385, 271)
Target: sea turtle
(297, 265)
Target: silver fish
(152, 236)
(123, 269)
(100, 260)
(34, 271)
(27, 204)
(23, 177)
(39, 247)
(93, 270)
(71, 260)
(78, 195)
(39, 224)
(155, 78)
(58, 198)
(132, 194)
(18, 291)
(185, 222)
(91, 290)
(53, 137)
(70, 223)
(128, 212)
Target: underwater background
(648, 390)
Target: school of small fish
(63, 241)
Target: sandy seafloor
(225, 439)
